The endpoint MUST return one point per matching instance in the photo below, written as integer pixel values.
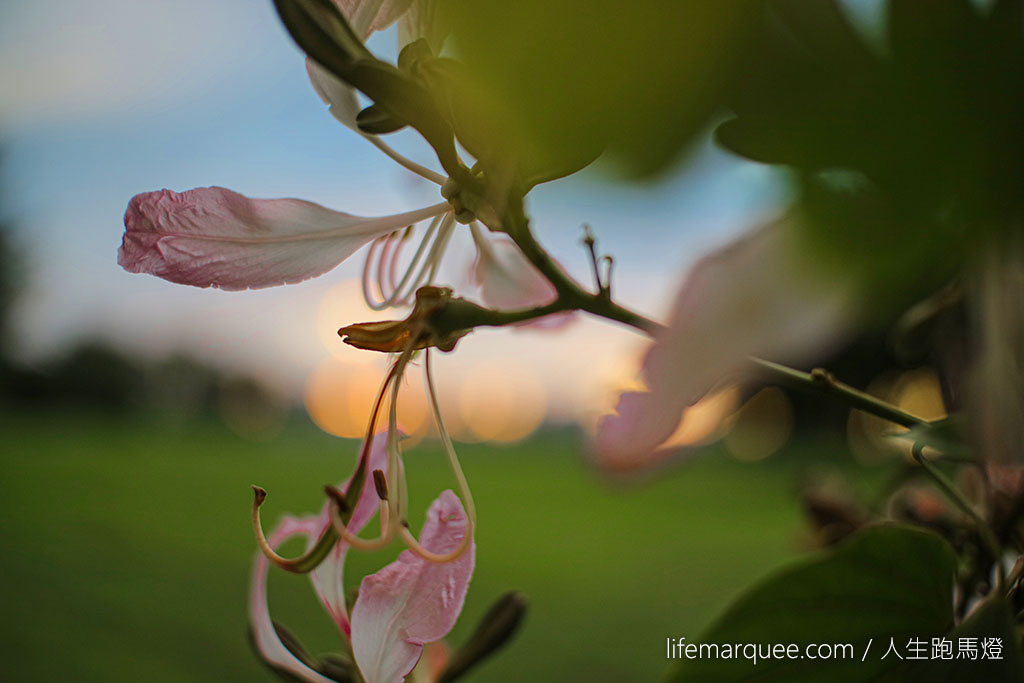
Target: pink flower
(213, 237)
(508, 281)
(752, 297)
(412, 601)
(405, 605)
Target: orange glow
(705, 419)
(502, 401)
(343, 305)
(761, 427)
(916, 392)
(340, 396)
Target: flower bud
(494, 630)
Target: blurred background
(138, 412)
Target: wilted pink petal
(507, 280)
(213, 237)
(270, 646)
(750, 298)
(411, 601)
(328, 577)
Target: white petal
(339, 96)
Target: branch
(821, 381)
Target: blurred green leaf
(885, 581)
(931, 121)
(570, 79)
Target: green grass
(127, 550)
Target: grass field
(127, 550)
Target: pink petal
(507, 280)
(269, 645)
(328, 577)
(751, 298)
(411, 601)
(630, 438)
(213, 237)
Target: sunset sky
(106, 99)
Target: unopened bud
(338, 668)
(494, 630)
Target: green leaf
(325, 35)
(576, 77)
(992, 619)
(322, 32)
(376, 121)
(886, 581)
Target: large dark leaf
(639, 79)
(885, 582)
(991, 620)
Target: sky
(109, 98)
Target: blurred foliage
(885, 582)
(97, 377)
(10, 276)
(909, 155)
(575, 78)
(907, 151)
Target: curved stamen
(367, 275)
(395, 465)
(392, 276)
(383, 263)
(403, 292)
(338, 525)
(446, 441)
(445, 234)
(460, 478)
(303, 564)
(422, 171)
(311, 560)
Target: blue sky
(109, 98)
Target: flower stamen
(460, 479)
